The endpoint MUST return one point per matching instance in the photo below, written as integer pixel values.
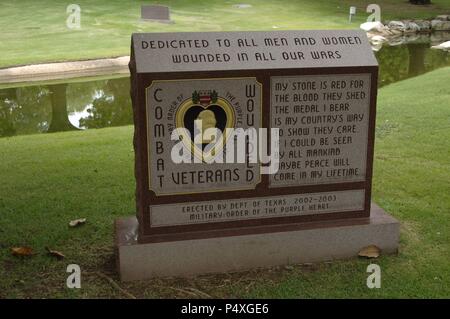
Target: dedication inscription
(317, 87)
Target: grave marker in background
(156, 13)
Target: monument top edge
(250, 50)
(305, 32)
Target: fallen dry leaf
(55, 253)
(77, 222)
(370, 251)
(22, 251)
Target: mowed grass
(49, 179)
(36, 31)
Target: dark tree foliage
(7, 98)
(420, 1)
(24, 110)
(112, 107)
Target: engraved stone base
(312, 242)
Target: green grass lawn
(35, 31)
(49, 179)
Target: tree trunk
(60, 118)
(417, 58)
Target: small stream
(96, 103)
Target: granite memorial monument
(318, 88)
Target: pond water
(94, 103)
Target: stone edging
(64, 70)
(405, 31)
